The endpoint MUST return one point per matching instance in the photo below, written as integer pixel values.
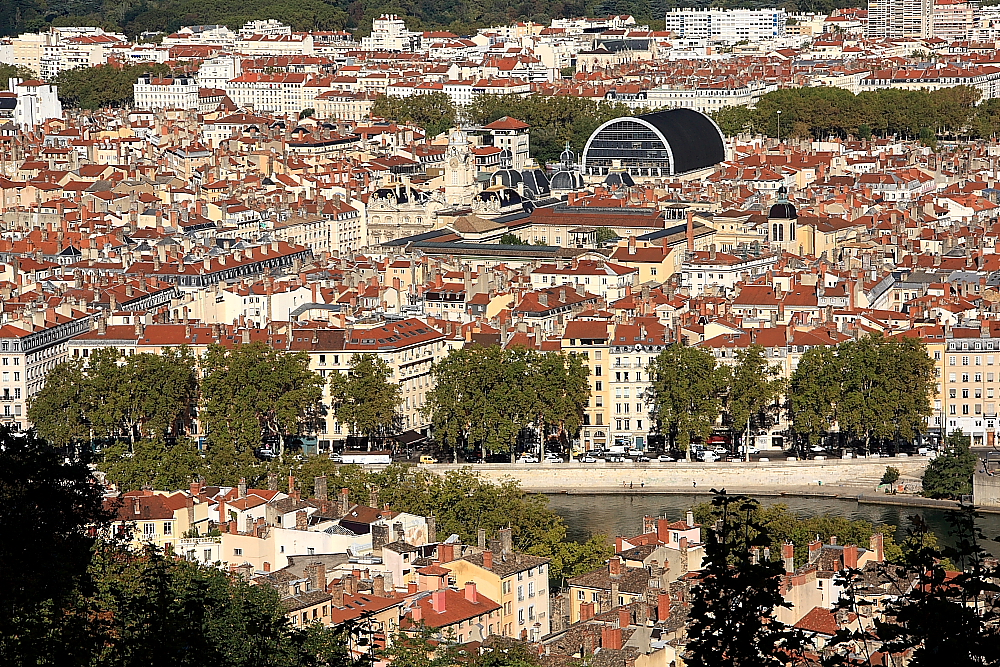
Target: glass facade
(630, 146)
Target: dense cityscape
(333, 335)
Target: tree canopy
(950, 474)
(103, 85)
(366, 399)
(822, 111)
(433, 112)
(685, 391)
(877, 390)
(484, 397)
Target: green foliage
(890, 476)
(157, 463)
(821, 111)
(143, 396)
(732, 619)
(605, 235)
(485, 396)
(47, 504)
(434, 112)
(950, 474)
(253, 390)
(104, 85)
(753, 391)
(685, 386)
(512, 239)
(554, 121)
(774, 525)
(814, 392)
(877, 389)
(366, 399)
(8, 72)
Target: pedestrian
(630, 485)
(642, 485)
(694, 483)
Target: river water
(615, 515)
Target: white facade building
(727, 26)
(152, 92)
(37, 101)
(389, 33)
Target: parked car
(614, 458)
(665, 458)
(744, 449)
(707, 456)
(720, 450)
(336, 457)
(550, 457)
(427, 459)
(642, 459)
(527, 458)
(587, 458)
(635, 452)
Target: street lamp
(779, 127)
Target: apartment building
(972, 381)
(30, 347)
(152, 92)
(727, 26)
(893, 19)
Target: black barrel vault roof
(694, 139)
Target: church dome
(509, 178)
(535, 181)
(783, 210)
(566, 180)
(617, 179)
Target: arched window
(778, 232)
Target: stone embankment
(831, 477)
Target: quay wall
(777, 475)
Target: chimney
(243, 487)
(624, 617)
(470, 592)
(611, 638)
(438, 600)
(301, 520)
(345, 501)
(431, 530)
(267, 566)
(851, 556)
(320, 487)
(378, 586)
(481, 538)
(586, 611)
(487, 560)
(411, 588)
(662, 607)
(648, 525)
(788, 555)
(877, 545)
(417, 614)
(222, 512)
(662, 532)
(690, 518)
(615, 567)
(814, 548)
(338, 593)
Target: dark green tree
(512, 239)
(732, 620)
(685, 388)
(254, 390)
(366, 399)
(950, 474)
(754, 387)
(814, 392)
(434, 112)
(48, 504)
